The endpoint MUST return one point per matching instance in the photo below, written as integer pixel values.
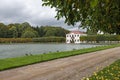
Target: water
(16, 50)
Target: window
(67, 40)
(78, 35)
(72, 35)
(75, 40)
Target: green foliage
(30, 33)
(48, 31)
(101, 15)
(25, 25)
(26, 60)
(92, 31)
(40, 31)
(49, 39)
(3, 30)
(25, 40)
(15, 40)
(25, 30)
(14, 32)
(98, 38)
(109, 73)
(54, 31)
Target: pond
(16, 50)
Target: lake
(16, 50)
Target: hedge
(49, 39)
(100, 38)
(27, 40)
(15, 40)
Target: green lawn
(111, 72)
(9, 63)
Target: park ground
(70, 68)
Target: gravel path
(71, 68)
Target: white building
(74, 36)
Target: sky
(31, 11)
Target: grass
(9, 63)
(111, 72)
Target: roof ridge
(77, 32)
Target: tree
(29, 33)
(18, 28)
(54, 31)
(61, 32)
(22, 27)
(50, 33)
(13, 31)
(102, 15)
(40, 30)
(25, 25)
(3, 30)
(91, 32)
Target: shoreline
(9, 63)
(21, 49)
(70, 68)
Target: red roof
(77, 32)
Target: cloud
(32, 11)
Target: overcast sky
(32, 11)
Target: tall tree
(91, 32)
(54, 31)
(25, 25)
(22, 27)
(3, 30)
(102, 15)
(40, 30)
(14, 32)
(18, 28)
(30, 33)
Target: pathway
(71, 68)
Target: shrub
(49, 39)
(99, 38)
(15, 40)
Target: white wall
(76, 37)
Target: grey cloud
(18, 11)
(11, 11)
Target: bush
(25, 40)
(100, 38)
(49, 39)
(15, 40)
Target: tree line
(100, 38)
(25, 30)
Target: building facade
(74, 37)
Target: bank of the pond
(22, 49)
(31, 59)
(33, 40)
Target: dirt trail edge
(71, 68)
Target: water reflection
(14, 50)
